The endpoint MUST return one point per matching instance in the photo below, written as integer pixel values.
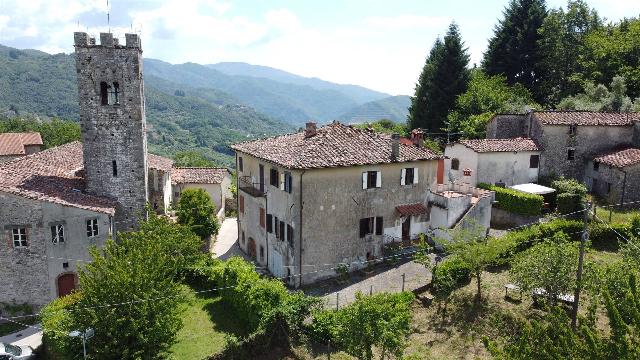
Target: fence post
(371, 290)
(403, 282)
(337, 301)
(610, 213)
(329, 349)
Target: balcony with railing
(246, 185)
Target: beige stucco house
(215, 181)
(493, 161)
(337, 194)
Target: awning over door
(412, 209)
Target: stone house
(615, 176)
(48, 221)
(505, 161)
(336, 194)
(215, 181)
(56, 203)
(570, 140)
(14, 145)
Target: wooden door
(252, 248)
(66, 284)
(406, 228)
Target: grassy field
(615, 216)
(454, 330)
(206, 322)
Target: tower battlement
(82, 39)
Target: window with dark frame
(261, 252)
(379, 225)
(608, 188)
(571, 154)
(455, 164)
(534, 161)
(277, 228)
(269, 223)
(573, 129)
(240, 164)
(92, 227)
(288, 182)
(57, 234)
(20, 237)
(104, 96)
(372, 178)
(274, 177)
(241, 203)
(290, 235)
(282, 230)
(368, 226)
(114, 94)
(114, 168)
(408, 176)
(596, 166)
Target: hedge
(515, 201)
(449, 275)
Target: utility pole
(583, 240)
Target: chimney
(310, 130)
(395, 147)
(417, 137)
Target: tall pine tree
(514, 50)
(445, 76)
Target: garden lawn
(206, 322)
(616, 216)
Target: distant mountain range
(198, 106)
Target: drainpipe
(300, 237)
(266, 234)
(238, 201)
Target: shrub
(449, 275)
(196, 210)
(382, 320)
(515, 201)
(604, 237)
(570, 195)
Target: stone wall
(114, 134)
(507, 126)
(588, 142)
(608, 182)
(29, 275)
(502, 219)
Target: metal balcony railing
(252, 188)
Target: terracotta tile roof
(501, 145)
(334, 145)
(159, 163)
(620, 158)
(198, 175)
(14, 143)
(586, 118)
(52, 175)
(412, 209)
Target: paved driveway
(29, 336)
(226, 244)
(386, 278)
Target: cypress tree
(514, 50)
(445, 76)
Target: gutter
(300, 237)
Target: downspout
(300, 237)
(237, 200)
(266, 234)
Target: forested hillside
(393, 108)
(180, 117)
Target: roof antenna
(108, 19)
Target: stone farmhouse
(337, 194)
(56, 203)
(494, 161)
(14, 145)
(597, 148)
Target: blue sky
(378, 44)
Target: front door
(261, 178)
(406, 228)
(66, 284)
(252, 248)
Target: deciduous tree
(196, 210)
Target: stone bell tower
(112, 117)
